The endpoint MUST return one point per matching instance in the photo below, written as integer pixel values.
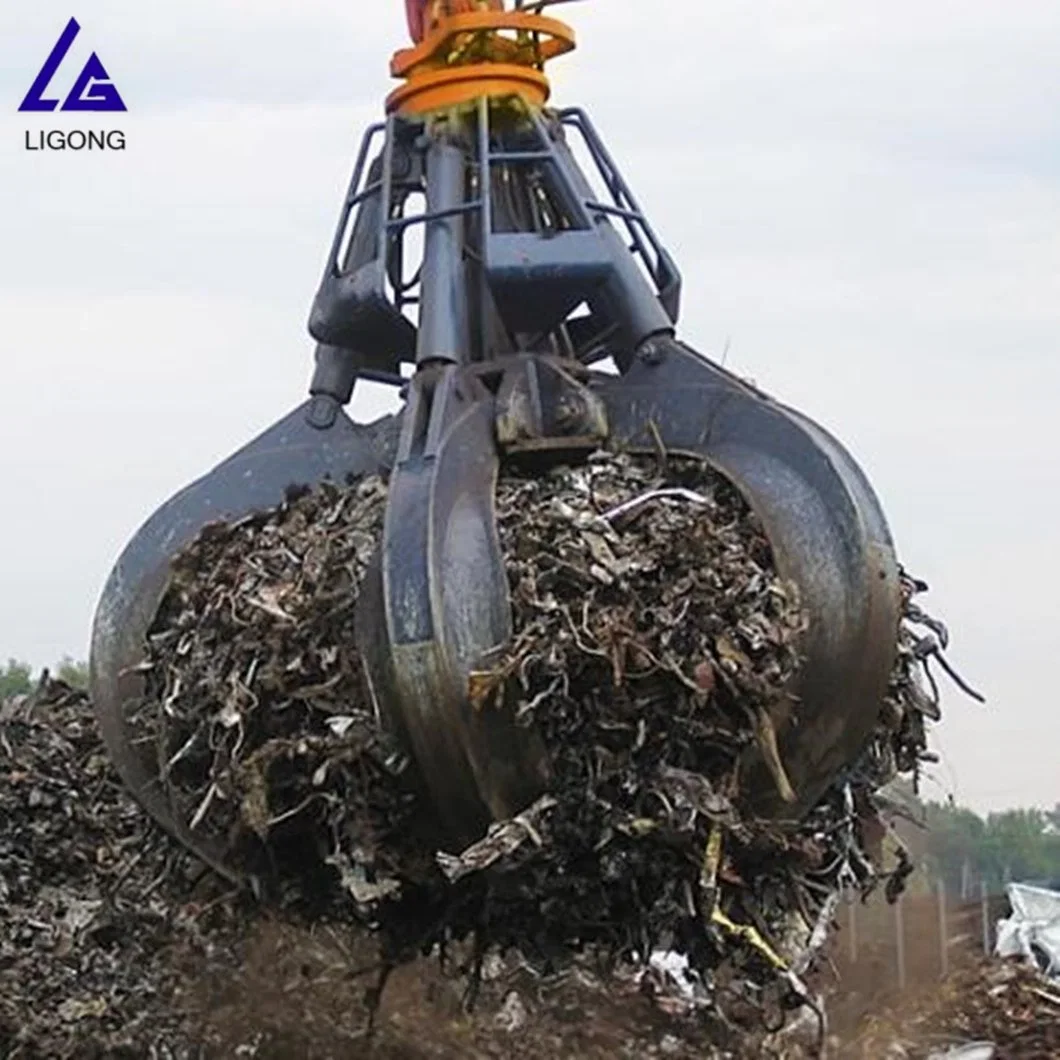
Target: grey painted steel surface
(290, 453)
(443, 326)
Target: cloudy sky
(864, 198)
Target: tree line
(18, 679)
(1009, 846)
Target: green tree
(955, 839)
(1054, 817)
(1017, 845)
(73, 673)
(15, 679)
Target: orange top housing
(470, 54)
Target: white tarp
(1033, 929)
(971, 1051)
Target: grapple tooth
(437, 609)
(291, 453)
(829, 538)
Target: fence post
(899, 935)
(984, 901)
(944, 935)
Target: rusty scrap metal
(653, 644)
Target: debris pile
(653, 644)
(85, 921)
(1005, 1005)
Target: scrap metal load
(556, 656)
(652, 643)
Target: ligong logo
(93, 90)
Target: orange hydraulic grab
(466, 50)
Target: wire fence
(920, 938)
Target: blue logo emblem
(93, 90)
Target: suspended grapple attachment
(527, 279)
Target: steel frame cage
(394, 188)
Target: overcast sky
(864, 198)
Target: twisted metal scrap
(652, 638)
(256, 702)
(1005, 1004)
